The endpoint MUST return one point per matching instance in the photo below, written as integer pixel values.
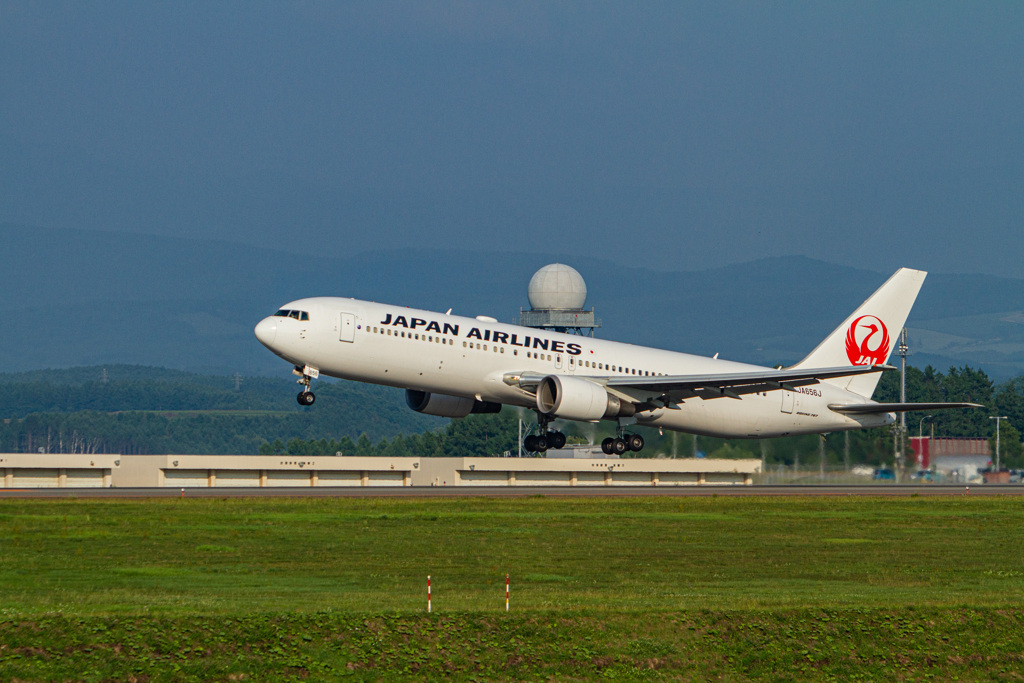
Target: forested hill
(116, 388)
(138, 409)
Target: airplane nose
(266, 331)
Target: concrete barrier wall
(187, 471)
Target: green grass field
(722, 588)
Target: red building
(928, 449)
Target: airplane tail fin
(870, 334)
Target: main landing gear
(617, 445)
(306, 397)
(539, 443)
(620, 444)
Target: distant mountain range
(86, 298)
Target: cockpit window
(298, 315)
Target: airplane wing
(665, 391)
(866, 408)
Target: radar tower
(557, 295)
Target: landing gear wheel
(305, 397)
(619, 446)
(530, 443)
(556, 440)
(542, 443)
(607, 446)
(635, 442)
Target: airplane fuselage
(479, 358)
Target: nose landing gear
(308, 374)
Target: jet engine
(443, 405)
(573, 398)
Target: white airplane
(452, 366)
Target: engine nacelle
(573, 398)
(443, 405)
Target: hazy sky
(673, 135)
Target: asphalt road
(519, 491)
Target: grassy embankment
(639, 588)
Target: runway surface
(518, 491)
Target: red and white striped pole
(506, 592)
(428, 592)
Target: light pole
(920, 426)
(998, 420)
(900, 447)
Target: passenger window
(463, 344)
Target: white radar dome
(557, 286)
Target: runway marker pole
(428, 593)
(506, 592)
(968, 491)
(183, 493)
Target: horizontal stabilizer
(866, 408)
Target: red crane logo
(867, 341)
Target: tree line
(147, 410)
